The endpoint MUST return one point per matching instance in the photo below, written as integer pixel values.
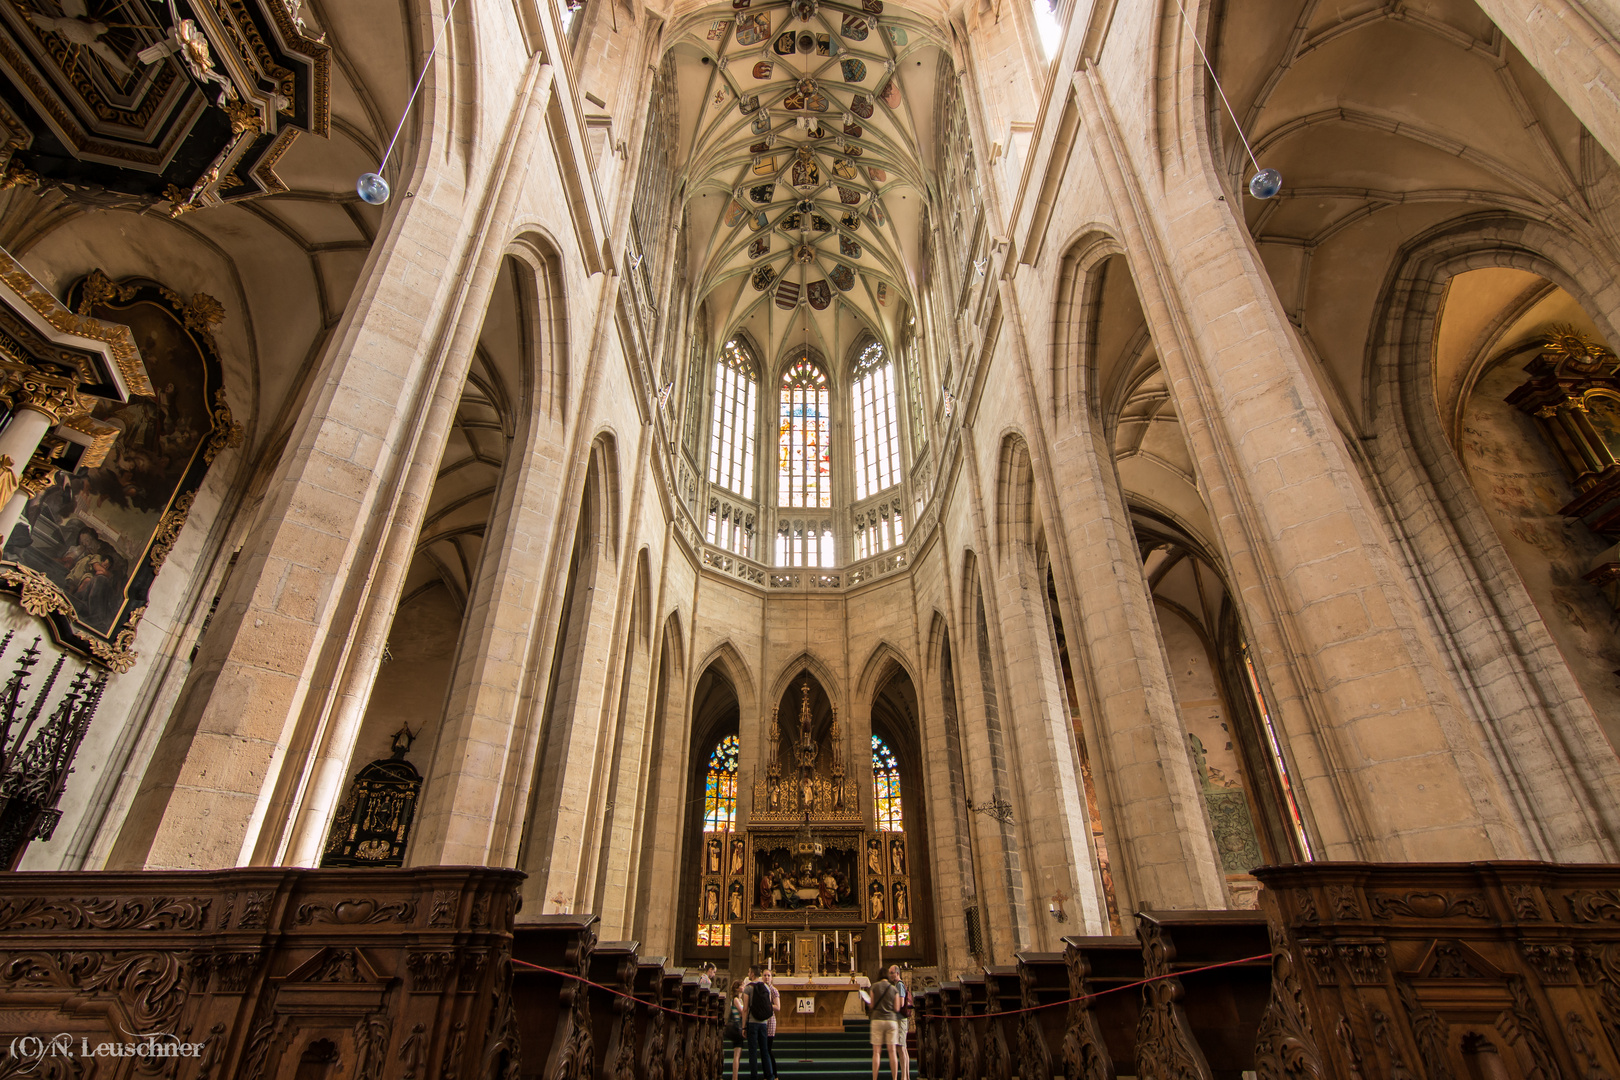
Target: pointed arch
(729, 661)
(1016, 514)
(819, 669)
(938, 632)
(546, 300)
(675, 640)
(1075, 311)
(641, 615)
(601, 499)
(881, 664)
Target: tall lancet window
(804, 465)
(887, 861)
(731, 432)
(715, 907)
(877, 430)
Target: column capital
(58, 397)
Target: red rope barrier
(615, 993)
(931, 1016)
(1110, 990)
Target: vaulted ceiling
(806, 130)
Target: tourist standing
(770, 1025)
(760, 1012)
(706, 976)
(903, 1011)
(885, 1023)
(736, 1024)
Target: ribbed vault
(805, 129)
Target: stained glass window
(719, 818)
(877, 429)
(720, 789)
(804, 466)
(731, 430)
(887, 811)
(886, 787)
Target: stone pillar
(347, 704)
(1052, 800)
(1160, 842)
(1389, 765)
(209, 788)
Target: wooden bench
(1043, 979)
(925, 1025)
(1002, 995)
(674, 1026)
(613, 1018)
(947, 1033)
(970, 1029)
(1100, 1032)
(649, 990)
(1202, 1022)
(556, 1033)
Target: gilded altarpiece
(94, 534)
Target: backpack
(759, 1003)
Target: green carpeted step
(832, 1055)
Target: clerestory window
(804, 465)
(731, 430)
(877, 430)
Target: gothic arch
(1535, 720)
(1017, 519)
(600, 500)
(675, 640)
(725, 658)
(546, 387)
(835, 378)
(880, 666)
(938, 635)
(819, 669)
(1074, 320)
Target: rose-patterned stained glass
(720, 787)
(804, 463)
(877, 427)
(886, 787)
(731, 429)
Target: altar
(819, 1002)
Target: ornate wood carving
(1286, 1046)
(35, 761)
(1085, 1055)
(1002, 993)
(1165, 1048)
(1448, 964)
(110, 954)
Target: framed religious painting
(92, 539)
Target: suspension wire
(1217, 81)
(451, 10)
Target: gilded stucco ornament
(154, 106)
(38, 595)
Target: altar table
(832, 996)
